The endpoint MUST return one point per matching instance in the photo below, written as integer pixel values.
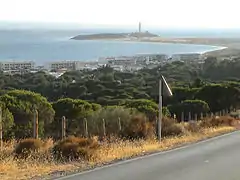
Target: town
(120, 63)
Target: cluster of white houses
(119, 63)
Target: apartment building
(16, 65)
(187, 57)
(68, 65)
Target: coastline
(224, 46)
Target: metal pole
(160, 112)
(34, 123)
(1, 130)
(63, 127)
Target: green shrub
(111, 115)
(75, 148)
(27, 146)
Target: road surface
(214, 159)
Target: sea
(44, 45)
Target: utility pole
(1, 130)
(35, 124)
(160, 111)
(162, 83)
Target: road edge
(143, 156)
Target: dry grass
(42, 163)
(125, 149)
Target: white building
(187, 57)
(16, 65)
(68, 65)
(122, 60)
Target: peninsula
(115, 36)
(232, 45)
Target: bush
(218, 121)
(193, 127)
(75, 148)
(171, 128)
(111, 116)
(27, 146)
(133, 124)
(138, 127)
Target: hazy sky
(155, 13)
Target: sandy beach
(227, 46)
(230, 46)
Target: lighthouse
(139, 27)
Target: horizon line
(107, 26)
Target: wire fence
(88, 127)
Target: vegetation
(197, 89)
(74, 148)
(45, 158)
(112, 115)
(27, 146)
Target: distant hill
(113, 36)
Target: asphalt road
(214, 159)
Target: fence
(103, 127)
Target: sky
(152, 13)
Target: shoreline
(224, 46)
(221, 47)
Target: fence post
(182, 117)
(212, 115)
(104, 127)
(223, 111)
(196, 117)
(1, 130)
(119, 124)
(63, 127)
(85, 127)
(189, 116)
(35, 124)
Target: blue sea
(43, 45)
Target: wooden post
(104, 127)
(196, 117)
(212, 115)
(35, 124)
(223, 112)
(207, 115)
(85, 125)
(119, 124)
(1, 130)
(201, 116)
(63, 127)
(182, 117)
(189, 116)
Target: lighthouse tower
(139, 27)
